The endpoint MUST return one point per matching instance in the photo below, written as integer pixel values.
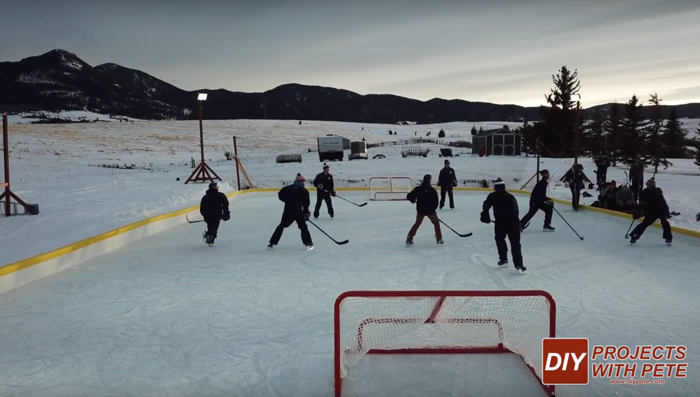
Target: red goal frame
(441, 295)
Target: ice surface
(169, 316)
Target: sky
(499, 51)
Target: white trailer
(330, 147)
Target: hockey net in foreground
(442, 322)
(389, 187)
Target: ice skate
(548, 228)
(523, 227)
(309, 247)
(409, 241)
(521, 269)
(633, 238)
(669, 241)
(270, 246)
(503, 263)
(439, 241)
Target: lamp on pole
(203, 172)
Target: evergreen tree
(561, 117)
(633, 132)
(593, 136)
(655, 149)
(613, 134)
(673, 137)
(474, 131)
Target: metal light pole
(203, 172)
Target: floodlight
(202, 97)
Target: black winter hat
(213, 185)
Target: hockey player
(214, 208)
(576, 178)
(653, 203)
(506, 213)
(602, 163)
(324, 190)
(426, 199)
(637, 176)
(296, 209)
(540, 201)
(447, 180)
(697, 217)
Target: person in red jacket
(426, 199)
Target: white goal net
(442, 322)
(389, 187)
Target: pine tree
(655, 149)
(613, 134)
(561, 117)
(633, 132)
(673, 137)
(594, 139)
(474, 131)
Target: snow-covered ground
(63, 168)
(169, 316)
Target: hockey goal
(442, 322)
(389, 187)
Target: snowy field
(169, 316)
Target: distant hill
(59, 80)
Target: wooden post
(235, 157)
(539, 150)
(201, 133)
(6, 157)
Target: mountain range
(60, 80)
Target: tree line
(622, 131)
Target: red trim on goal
(442, 295)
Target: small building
(498, 142)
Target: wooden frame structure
(7, 195)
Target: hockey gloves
(485, 217)
(227, 216)
(333, 193)
(636, 215)
(307, 215)
(549, 203)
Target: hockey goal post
(442, 322)
(392, 188)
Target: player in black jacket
(576, 179)
(653, 203)
(506, 213)
(213, 208)
(540, 201)
(296, 209)
(426, 199)
(603, 163)
(324, 190)
(447, 180)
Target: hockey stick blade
(188, 220)
(455, 232)
(353, 203)
(327, 235)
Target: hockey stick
(359, 205)
(627, 235)
(459, 234)
(567, 223)
(334, 240)
(188, 220)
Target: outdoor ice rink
(169, 316)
